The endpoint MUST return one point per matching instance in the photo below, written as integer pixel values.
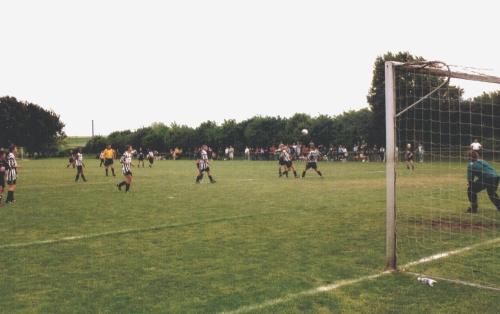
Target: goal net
(432, 126)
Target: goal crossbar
(446, 73)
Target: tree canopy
(259, 131)
(29, 125)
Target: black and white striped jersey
(285, 156)
(11, 167)
(126, 162)
(203, 160)
(313, 156)
(79, 160)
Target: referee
(109, 155)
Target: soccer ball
(305, 132)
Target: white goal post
(438, 69)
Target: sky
(127, 64)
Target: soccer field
(249, 243)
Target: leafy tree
(29, 125)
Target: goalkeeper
(480, 176)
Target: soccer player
(151, 158)
(109, 155)
(285, 155)
(476, 146)
(312, 160)
(126, 162)
(409, 157)
(11, 173)
(101, 157)
(140, 157)
(420, 152)
(3, 167)
(79, 166)
(281, 160)
(487, 178)
(71, 159)
(203, 165)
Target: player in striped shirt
(203, 165)
(151, 158)
(126, 162)
(281, 161)
(287, 159)
(312, 160)
(11, 173)
(3, 168)
(79, 166)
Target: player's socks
(10, 197)
(286, 174)
(295, 174)
(77, 177)
(320, 174)
(113, 171)
(1, 197)
(211, 179)
(83, 177)
(127, 187)
(198, 178)
(121, 184)
(106, 172)
(279, 172)
(303, 173)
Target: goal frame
(390, 128)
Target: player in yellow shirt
(109, 155)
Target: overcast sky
(127, 64)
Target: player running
(203, 165)
(3, 167)
(109, 155)
(312, 160)
(79, 166)
(140, 157)
(487, 178)
(126, 162)
(11, 173)
(409, 157)
(151, 158)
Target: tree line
(258, 131)
(30, 126)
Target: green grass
(72, 142)
(176, 247)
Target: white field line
(455, 281)
(139, 230)
(343, 283)
(318, 290)
(449, 253)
